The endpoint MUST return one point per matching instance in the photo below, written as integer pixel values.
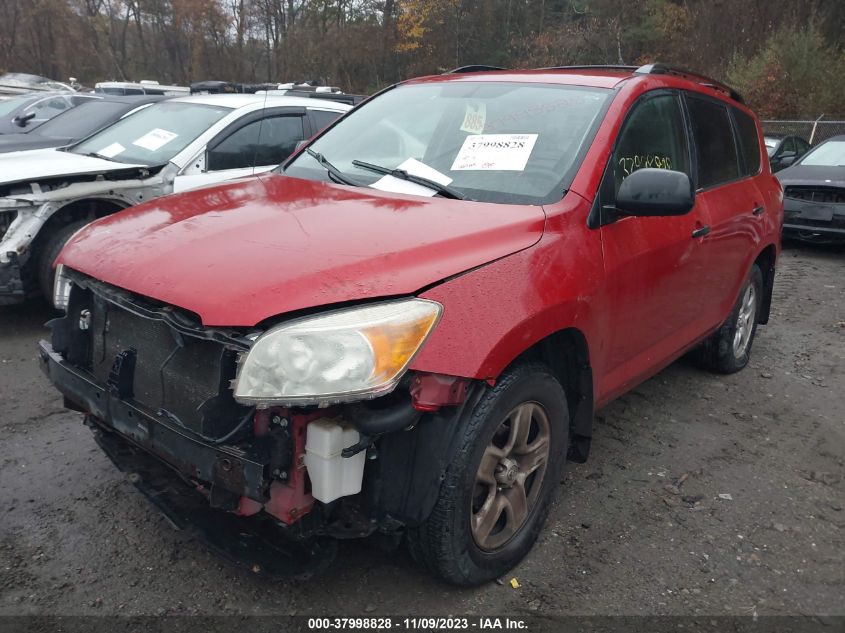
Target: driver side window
(258, 144)
(654, 136)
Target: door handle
(701, 231)
(758, 210)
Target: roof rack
(340, 97)
(473, 68)
(593, 67)
(663, 69)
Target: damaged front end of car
(30, 210)
(267, 442)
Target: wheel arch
(566, 353)
(412, 463)
(80, 209)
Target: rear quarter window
(749, 142)
(716, 151)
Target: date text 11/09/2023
(418, 624)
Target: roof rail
(663, 69)
(593, 67)
(473, 68)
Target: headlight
(61, 288)
(337, 357)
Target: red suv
(407, 327)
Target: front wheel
(729, 348)
(498, 489)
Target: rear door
(727, 191)
(653, 264)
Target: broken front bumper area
(154, 454)
(256, 544)
(227, 471)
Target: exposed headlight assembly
(340, 356)
(61, 288)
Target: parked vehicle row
(406, 326)
(170, 146)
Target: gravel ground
(704, 494)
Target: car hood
(239, 253)
(812, 175)
(39, 164)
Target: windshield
(494, 142)
(80, 121)
(154, 135)
(830, 154)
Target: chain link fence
(814, 132)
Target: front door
(653, 265)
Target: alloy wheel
(745, 321)
(510, 476)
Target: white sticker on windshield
(155, 139)
(475, 117)
(415, 168)
(112, 150)
(495, 152)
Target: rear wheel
(50, 251)
(729, 348)
(498, 489)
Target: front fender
(494, 313)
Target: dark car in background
(75, 124)
(814, 194)
(28, 111)
(784, 150)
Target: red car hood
(242, 252)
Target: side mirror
(787, 159)
(655, 192)
(22, 119)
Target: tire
(727, 351)
(50, 251)
(451, 542)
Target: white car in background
(182, 143)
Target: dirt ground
(704, 494)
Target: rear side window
(654, 136)
(748, 141)
(714, 140)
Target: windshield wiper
(334, 173)
(443, 190)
